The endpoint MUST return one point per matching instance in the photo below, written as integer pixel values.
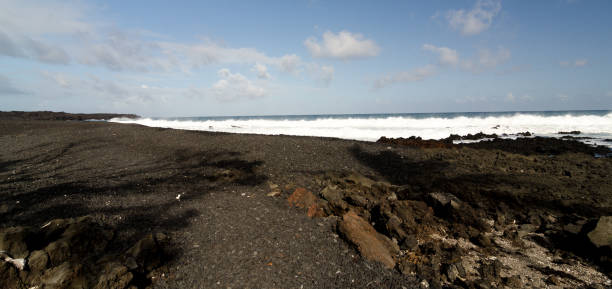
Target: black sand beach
(216, 206)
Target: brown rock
(13, 241)
(61, 276)
(601, 236)
(147, 252)
(38, 261)
(371, 244)
(412, 212)
(114, 276)
(59, 252)
(317, 210)
(359, 179)
(331, 193)
(301, 198)
(9, 277)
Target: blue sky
(198, 58)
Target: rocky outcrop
(51, 115)
(371, 244)
(601, 236)
(73, 253)
(453, 243)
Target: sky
(207, 58)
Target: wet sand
(209, 193)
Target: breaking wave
(370, 127)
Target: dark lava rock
(50, 115)
(539, 145)
(416, 142)
(569, 132)
(14, 241)
(601, 236)
(74, 253)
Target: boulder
(38, 261)
(9, 276)
(147, 253)
(301, 198)
(13, 241)
(371, 244)
(318, 209)
(439, 199)
(601, 236)
(359, 179)
(332, 193)
(114, 276)
(62, 276)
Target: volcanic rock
(601, 236)
(13, 241)
(371, 244)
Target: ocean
(595, 126)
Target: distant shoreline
(51, 115)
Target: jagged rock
(412, 212)
(114, 276)
(601, 236)
(63, 276)
(452, 273)
(359, 179)
(301, 198)
(38, 261)
(357, 200)
(147, 252)
(371, 244)
(394, 227)
(13, 241)
(445, 199)
(9, 276)
(332, 193)
(318, 209)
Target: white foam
(370, 129)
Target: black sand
(225, 231)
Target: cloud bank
(343, 45)
(476, 20)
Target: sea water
(595, 126)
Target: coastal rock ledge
(75, 253)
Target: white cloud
(261, 71)
(235, 86)
(26, 47)
(290, 63)
(323, 74)
(446, 55)
(54, 31)
(576, 63)
(474, 21)
(415, 75)
(510, 97)
(580, 62)
(343, 45)
(486, 60)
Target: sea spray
(369, 127)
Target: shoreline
(209, 193)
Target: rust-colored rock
(301, 198)
(316, 210)
(371, 244)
